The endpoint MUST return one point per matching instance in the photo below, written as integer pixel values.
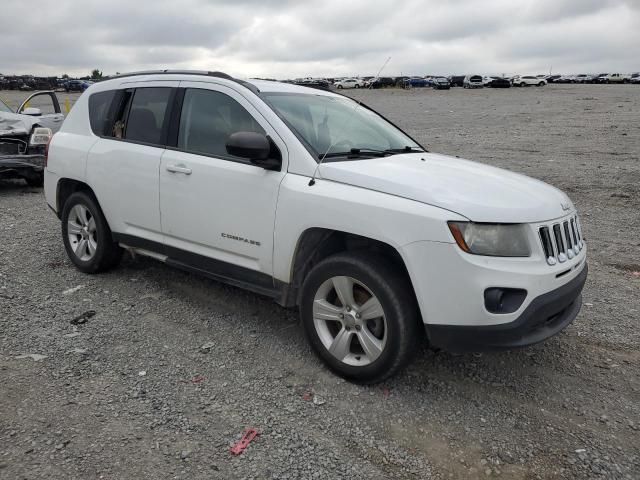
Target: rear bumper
(546, 315)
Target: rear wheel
(86, 235)
(360, 316)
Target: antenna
(312, 182)
(379, 72)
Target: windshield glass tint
(333, 125)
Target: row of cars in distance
(438, 82)
(465, 81)
(596, 78)
(30, 83)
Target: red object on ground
(247, 437)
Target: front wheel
(339, 87)
(86, 235)
(360, 316)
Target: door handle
(179, 169)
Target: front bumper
(33, 162)
(546, 315)
(21, 166)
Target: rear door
(123, 164)
(218, 210)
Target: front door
(50, 114)
(217, 207)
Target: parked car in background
(564, 79)
(496, 82)
(25, 134)
(377, 242)
(635, 78)
(552, 78)
(527, 80)
(319, 83)
(473, 81)
(457, 80)
(440, 83)
(399, 81)
(583, 78)
(77, 85)
(600, 78)
(617, 78)
(349, 83)
(415, 82)
(382, 82)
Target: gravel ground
(132, 393)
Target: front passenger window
(208, 119)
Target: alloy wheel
(82, 233)
(350, 321)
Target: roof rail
(205, 73)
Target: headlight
(492, 239)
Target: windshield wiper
(367, 152)
(406, 149)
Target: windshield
(335, 125)
(4, 107)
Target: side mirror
(253, 146)
(33, 112)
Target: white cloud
(331, 37)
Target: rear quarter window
(99, 106)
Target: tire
(541, 84)
(391, 337)
(523, 84)
(339, 87)
(357, 86)
(100, 252)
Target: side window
(99, 106)
(208, 119)
(147, 115)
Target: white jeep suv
(318, 202)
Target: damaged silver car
(25, 134)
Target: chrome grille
(561, 241)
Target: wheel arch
(67, 187)
(315, 244)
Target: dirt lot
(131, 393)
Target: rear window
(147, 115)
(99, 104)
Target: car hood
(479, 192)
(15, 124)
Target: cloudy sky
(289, 38)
